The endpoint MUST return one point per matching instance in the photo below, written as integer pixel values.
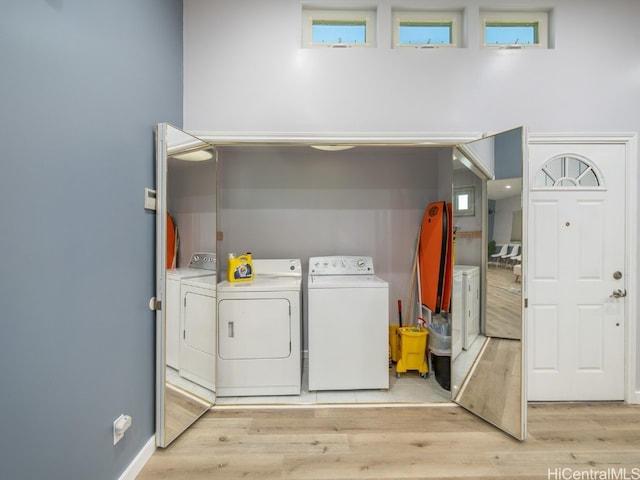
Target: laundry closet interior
(294, 202)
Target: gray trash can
(439, 346)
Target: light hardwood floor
(504, 304)
(181, 408)
(435, 442)
(494, 391)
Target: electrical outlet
(120, 425)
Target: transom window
(339, 31)
(511, 33)
(428, 29)
(515, 29)
(338, 28)
(567, 171)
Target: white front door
(576, 255)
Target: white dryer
(348, 323)
(259, 331)
(198, 327)
(200, 265)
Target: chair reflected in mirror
(494, 259)
(509, 258)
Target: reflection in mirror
(487, 320)
(464, 201)
(504, 254)
(186, 225)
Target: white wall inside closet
(191, 201)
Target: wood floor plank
(389, 466)
(198, 466)
(504, 304)
(226, 443)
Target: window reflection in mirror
(464, 201)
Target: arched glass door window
(567, 171)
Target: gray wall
(83, 83)
(508, 148)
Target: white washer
(465, 311)
(198, 327)
(259, 331)
(200, 265)
(348, 322)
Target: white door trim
(630, 142)
(331, 138)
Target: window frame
(560, 181)
(435, 17)
(515, 18)
(367, 16)
(470, 193)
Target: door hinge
(526, 303)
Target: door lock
(618, 293)
(617, 275)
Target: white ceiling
(497, 189)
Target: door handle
(230, 329)
(155, 304)
(618, 293)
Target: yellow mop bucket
(412, 344)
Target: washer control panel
(205, 261)
(341, 265)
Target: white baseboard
(138, 463)
(634, 398)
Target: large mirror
(487, 305)
(186, 169)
